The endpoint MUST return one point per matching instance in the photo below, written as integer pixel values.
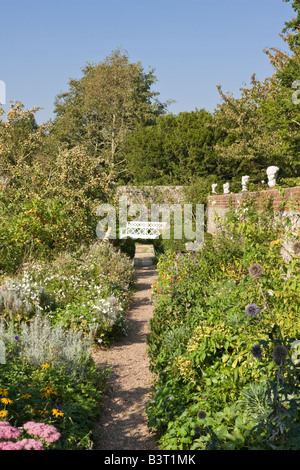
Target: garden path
(123, 422)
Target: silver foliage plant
(25, 297)
(40, 343)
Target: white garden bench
(138, 229)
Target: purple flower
(16, 338)
(170, 398)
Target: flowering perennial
(46, 432)
(42, 430)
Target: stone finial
(226, 188)
(214, 187)
(272, 172)
(245, 180)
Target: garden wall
(286, 200)
(152, 194)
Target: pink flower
(42, 430)
(31, 444)
(10, 445)
(7, 431)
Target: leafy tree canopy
(105, 105)
(173, 151)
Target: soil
(123, 422)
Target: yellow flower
(48, 391)
(45, 366)
(57, 412)
(3, 413)
(3, 391)
(6, 401)
(26, 396)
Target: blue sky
(193, 45)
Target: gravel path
(123, 423)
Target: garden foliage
(222, 343)
(52, 315)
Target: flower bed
(87, 291)
(223, 339)
(52, 315)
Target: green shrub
(204, 327)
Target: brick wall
(218, 204)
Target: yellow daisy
(6, 401)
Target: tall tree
(292, 27)
(21, 141)
(174, 151)
(261, 127)
(247, 144)
(105, 105)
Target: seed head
(252, 310)
(256, 351)
(296, 248)
(280, 354)
(201, 414)
(198, 429)
(256, 271)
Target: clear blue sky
(193, 45)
